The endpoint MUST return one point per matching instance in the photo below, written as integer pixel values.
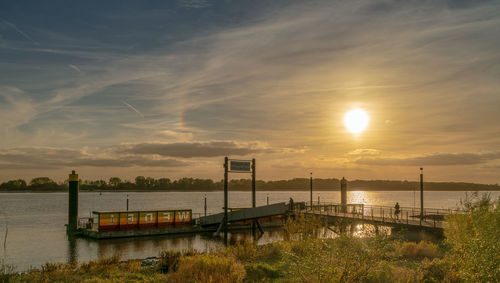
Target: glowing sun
(356, 121)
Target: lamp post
(421, 193)
(311, 188)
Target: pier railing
(430, 217)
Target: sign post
(237, 166)
(226, 165)
(253, 193)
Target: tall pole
(253, 192)
(226, 167)
(127, 202)
(311, 188)
(73, 203)
(205, 205)
(253, 182)
(343, 195)
(421, 193)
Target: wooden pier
(409, 218)
(118, 224)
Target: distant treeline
(141, 183)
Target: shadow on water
(82, 249)
(72, 250)
(142, 247)
(361, 230)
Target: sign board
(239, 166)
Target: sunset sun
(356, 121)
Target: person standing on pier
(396, 210)
(292, 206)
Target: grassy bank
(470, 253)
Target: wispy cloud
(133, 108)
(18, 30)
(75, 68)
(283, 73)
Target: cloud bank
(194, 149)
(44, 158)
(438, 159)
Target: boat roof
(135, 211)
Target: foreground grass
(308, 260)
(470, 253)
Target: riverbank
(469, 253)
(235, 190)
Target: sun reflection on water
(357, 197)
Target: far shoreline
(237, 190)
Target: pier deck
(411, 218)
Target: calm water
(36, 232)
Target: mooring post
(127, 202)
(73, 203)
(205, 205)
(343, 195)
(267, 199)
(318, 201)
(421, 193)
(226, 167)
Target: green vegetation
(470, 253)
(142, 183)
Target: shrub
(169, 260)
(302, 227)
(243, 251)
(208, 268)
(417, 251)
(261, 271)
(434, 271)
(381, 272)
(270, 253)
(473, 237)
(7, 272)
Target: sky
(168, 88)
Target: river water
(33, 223)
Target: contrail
(75, 68)
(14, 27)
(133, 108)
